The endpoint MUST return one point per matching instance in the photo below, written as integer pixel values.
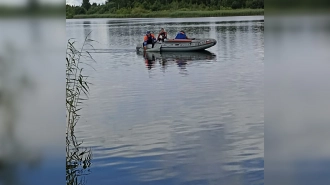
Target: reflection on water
(175, 118)
(78, 161)
(181, 59)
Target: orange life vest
(146, 37)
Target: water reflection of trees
(87, 28)
(78, 158)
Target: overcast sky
(79, 2)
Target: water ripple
(188, 118)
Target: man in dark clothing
(162, 35)
(149, 38)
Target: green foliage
(93, 10)
(173, 14)
(151, 8)
(184, 9)
(254, 4)
(86, 4)
(123, 11)
(156, 6)
(225, 8)
(139, 10)
(235, 5)
(146, 5)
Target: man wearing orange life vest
(149, 38)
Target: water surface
(174, 118)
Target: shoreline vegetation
(165, 8)
(176, 14)
(78, 158)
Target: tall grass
(78, 158)
(176, 14)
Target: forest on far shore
(139, 7)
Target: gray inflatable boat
(194, 44)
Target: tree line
(146, 6)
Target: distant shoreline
(177, 14)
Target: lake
(173, 118)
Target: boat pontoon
(194, 44)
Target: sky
(79, 2)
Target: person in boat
(162, 35)
(181, 35)
(149, 38)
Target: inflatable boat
(194, 44)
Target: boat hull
(180, 45)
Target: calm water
(174, 118)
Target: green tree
(254, 4)
(145, 6)
(79, 10)
(86, 4)
(235, 5)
